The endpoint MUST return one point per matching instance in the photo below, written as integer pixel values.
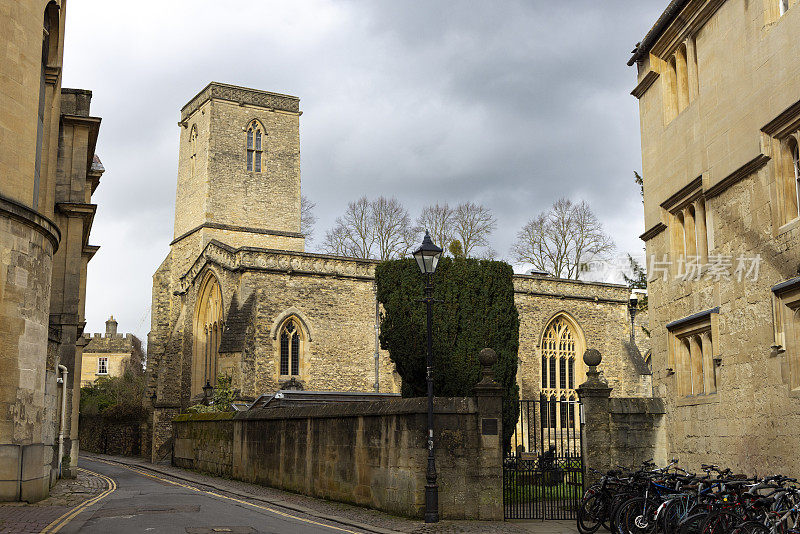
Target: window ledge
(791, 225)
(694, 400)
(794, 393)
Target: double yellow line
(67, 516)
(59, 523)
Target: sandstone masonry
(237, 295)
(49, 171)
(718, 85)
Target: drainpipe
(64, 375)
(377, 353)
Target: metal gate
(543, 470)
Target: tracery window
(783, 6)
(207, 334)
(290, 349)
(254, 146)
(559, 351)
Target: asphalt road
(145, 503)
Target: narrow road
(143, 502)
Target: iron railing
(543, 470)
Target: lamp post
(427, 256)
(633, 307)
(207, 389)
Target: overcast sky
(508, 104)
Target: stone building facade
(237, 294)
(718, 86)
(48, 173)
(110, 354)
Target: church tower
(238, 171)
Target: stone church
(238, 295)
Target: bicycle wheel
(591, 513)
(636, 516)
(751, 527)
(670, 517)
(616, 502)
(693, 524)
(720, 522)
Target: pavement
(126, 495)
(65, 496)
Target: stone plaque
(489, 427)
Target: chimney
(111, 327)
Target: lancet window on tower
(193, 150)
(254, 146)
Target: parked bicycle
(670, 500)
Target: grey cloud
(512, 104)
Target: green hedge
(476, 311)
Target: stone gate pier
(618, 430)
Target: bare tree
(379, 229)
(438, 220)
(390, 224)
(562, 239)
(336, 241)
(473, 224)
(307, 218)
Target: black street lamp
(427, 256)
(633, 307)
(207, 389)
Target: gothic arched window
(290, 349)
(208, 323)
(254, 146)
(559, 353)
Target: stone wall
(28, 240)
(97, 434)
(599, 314)
(26, 423)
(726, 142)
(367, 453)
(618, 431)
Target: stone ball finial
(487, 357)
(592, 357)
